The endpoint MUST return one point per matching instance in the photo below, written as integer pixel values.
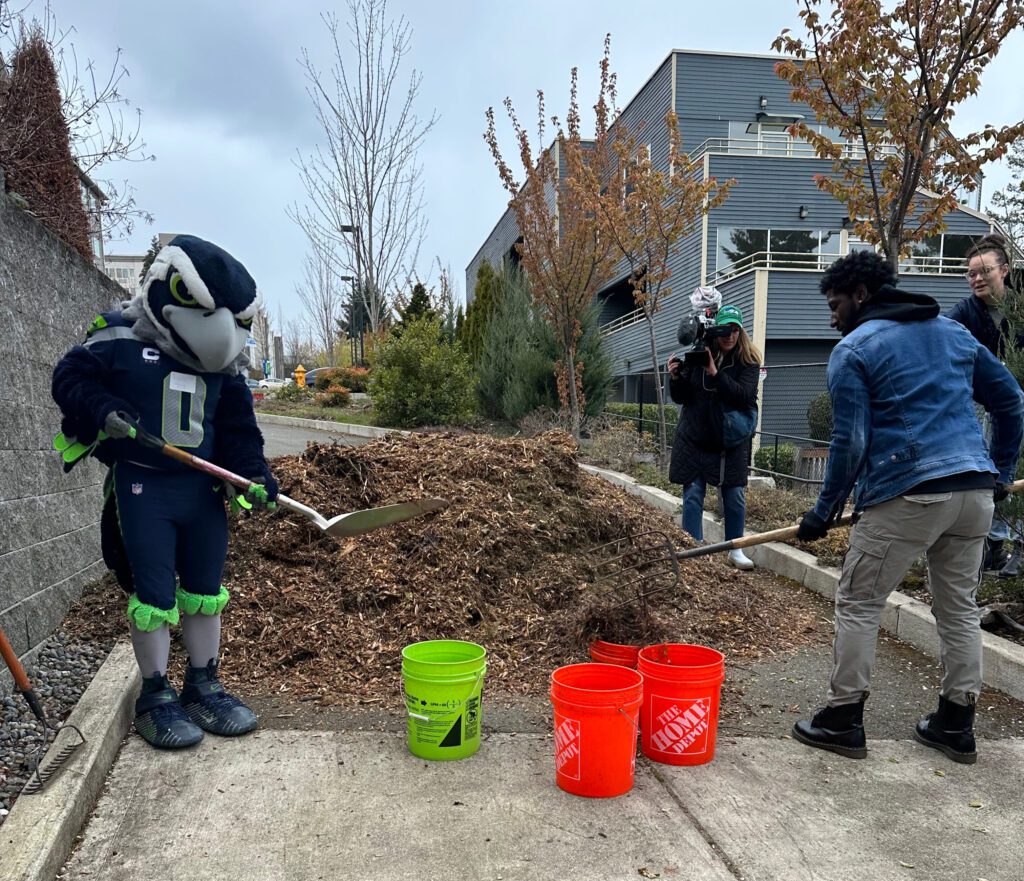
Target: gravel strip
(60, 673)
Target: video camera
(700, 326)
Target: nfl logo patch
(136, 489)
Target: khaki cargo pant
(950, 529)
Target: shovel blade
(359, 522)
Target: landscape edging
(343, 428)
(906, 618)
(39, 833)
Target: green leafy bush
(355, 379)
(420, 379)
(764, 458)
(334, 396)
(819, 418)
(292, 393)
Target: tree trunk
(574, 400)
(659, 391)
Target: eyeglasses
(985, 271)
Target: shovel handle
(784, 534)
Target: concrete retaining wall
(49, 538)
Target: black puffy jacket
(698, 449)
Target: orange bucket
(596, 708)
(614, 653)
(682, 686)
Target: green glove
(254, 497)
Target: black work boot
(159, 717)
(995, 555)
(1012, 567)
(837, 729)
(210, 707)
(950, 729)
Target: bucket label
(680, 726)
(472, 717)
(567, 747)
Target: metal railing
(622, 321)
(783, 145)
(775, 260)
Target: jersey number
(183, 414)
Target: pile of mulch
(513, 563)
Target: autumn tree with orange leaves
(565, 258)
(890, 79)
(644, 208)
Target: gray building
(766, 246)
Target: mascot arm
(239, 443)
(79, 389)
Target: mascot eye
(244, 322)
(180, 292)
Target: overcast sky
(225, 109)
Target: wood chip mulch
(513, 564)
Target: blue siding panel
(494, 250)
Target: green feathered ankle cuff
(202, 604)
(147, 618)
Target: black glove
(812, 527)
(1001, 491)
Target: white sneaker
(740, 560)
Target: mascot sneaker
(159, 718)
(208, 705)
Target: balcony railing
(782, 145)
(773, 260)
(623, 321)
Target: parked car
(272, 382)
(252, 383)
(314, 373)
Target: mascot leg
(148, 533)
(201, 599)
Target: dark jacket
(697, 450)
(973, 314)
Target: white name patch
(183, 382)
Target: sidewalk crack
(733, 869)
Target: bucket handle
(636, 727)
(423, 718)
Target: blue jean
(734, 501)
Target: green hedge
(764, 458)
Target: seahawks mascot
(171, 361)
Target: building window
(946, 253)
(740, 248)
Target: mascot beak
(211, 334)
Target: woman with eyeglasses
(699, 455)
(988, 274)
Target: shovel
(342, 526)
(784, 534)
(40, 775)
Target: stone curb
(339, 428)
(39, 833)
(906, 618)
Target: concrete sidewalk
(343, 805)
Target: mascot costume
(171, 360)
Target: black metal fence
(795, 424)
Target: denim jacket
(902, 391)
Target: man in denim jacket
(903, 381)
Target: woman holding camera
(728, 382)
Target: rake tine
(55, 761)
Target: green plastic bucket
(443, 681)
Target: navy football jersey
(173, 401)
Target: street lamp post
(355, 230)
(351, 318)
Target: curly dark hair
(858, 267)
(992, 243)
